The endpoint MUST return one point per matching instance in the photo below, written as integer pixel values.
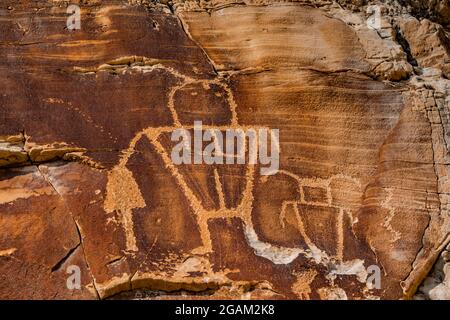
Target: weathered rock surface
(428, 42)
(87, 179)
(438, 10)
(437, 285)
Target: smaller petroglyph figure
(74, 20)
(230, 149)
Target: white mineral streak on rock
(276, 254)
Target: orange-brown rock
(87, 179)
(428, 43)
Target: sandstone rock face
(436, 9)
(428, 42)
(87, 180)
(437, 285)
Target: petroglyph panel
(87, 176)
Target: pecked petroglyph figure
(295, 207)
